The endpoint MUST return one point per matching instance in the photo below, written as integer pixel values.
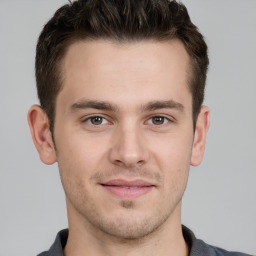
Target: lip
(127, 189)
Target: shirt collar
(197, 246)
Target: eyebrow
(100, 105)
(155, 105)
(150, 106)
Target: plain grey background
(219, 204)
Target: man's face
(124, 134)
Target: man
(121, 87)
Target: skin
(141, 130)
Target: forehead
(102, 68)
(105, 54)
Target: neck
(87, 240)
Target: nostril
(129, 164)
(140, 162)
(118, 161)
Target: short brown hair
(120, 20)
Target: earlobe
(41, 135)
(202, 126)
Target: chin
(130, 224)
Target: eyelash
(159, 116)
(89, 119)
(166, 120)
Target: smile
(128, 189)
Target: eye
(96, 120)
(159, 120)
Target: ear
(202, 126)
(41, 135)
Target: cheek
(172, 157)
(79, 155)
(173, 151)
(77, 160)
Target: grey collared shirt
(197, 246)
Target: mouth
(128, 189)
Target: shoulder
(58, 245)
(200, 248)
(216, 251)
(43, 254)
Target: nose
(128, 149)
